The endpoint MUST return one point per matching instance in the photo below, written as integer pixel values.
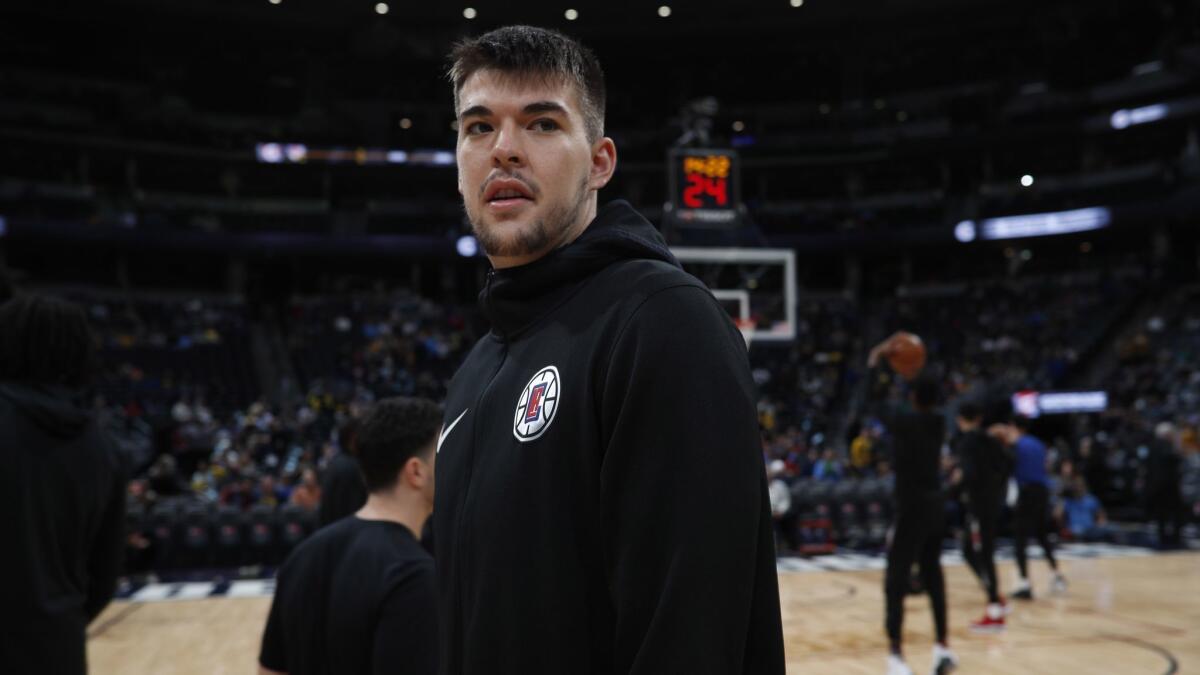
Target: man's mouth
(508, 196)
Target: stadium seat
(196, 549)
(261, 541)
(294, 526)
(229, 533)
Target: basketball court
(1127, 611)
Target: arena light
(796, 3)
(274, 2)
(470, 13)
(397, 157)
(1036, 224)
(269, 153)
(664, 11)
(571, 14)
(965, 231)
(1125, 118)
(1026, 180)
(405, 123)
(295, 152)
(468, 246)
(1035, 404)
(381, 8)
(739, 126)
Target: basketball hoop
(746, 328)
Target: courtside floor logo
(537, 405)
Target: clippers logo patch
(537, 405)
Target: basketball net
(746, 328)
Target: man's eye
(478, 128)
(545, 125)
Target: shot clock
(704, 187)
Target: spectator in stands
(829, 468)
(860, 451)
(307, 494)
(1082, 514)
(62, 489)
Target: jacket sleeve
(686, 516)
(108, 547)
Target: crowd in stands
(178, 389)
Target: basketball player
(62, 489)
(602, 503)
(916, 534)
(1033, 505)
(984, 465)
(358, 595)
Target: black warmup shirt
(917, 449)
(343, 491)
(356, 597)
(985, 466)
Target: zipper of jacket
(459, 558)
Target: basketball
(906, 355)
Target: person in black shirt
(342, 488)
(589, 431)
(62, 489)
(358, 596)
(1164, 502)
(984, 466)
(916, 535)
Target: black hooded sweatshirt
(63, 505)
(601, 497)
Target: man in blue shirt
(1033, 501)
(1082, 513)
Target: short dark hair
(45, 341)
(1021, 422)
(526, 51)
(926, 392)
(391, 433)
(970, 411)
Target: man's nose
(508, 150)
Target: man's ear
(604, 163)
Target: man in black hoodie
(601, 502)
(61, 490)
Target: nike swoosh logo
(447, 430)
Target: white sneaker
(944, 660)
(897, 666)
(1059, 585)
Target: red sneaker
(988, 624)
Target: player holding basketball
(916, 535)
(602, 503)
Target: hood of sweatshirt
(57, 410)
(514, 298)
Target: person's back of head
(45, 341)
(395, 431)
(970, 416)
